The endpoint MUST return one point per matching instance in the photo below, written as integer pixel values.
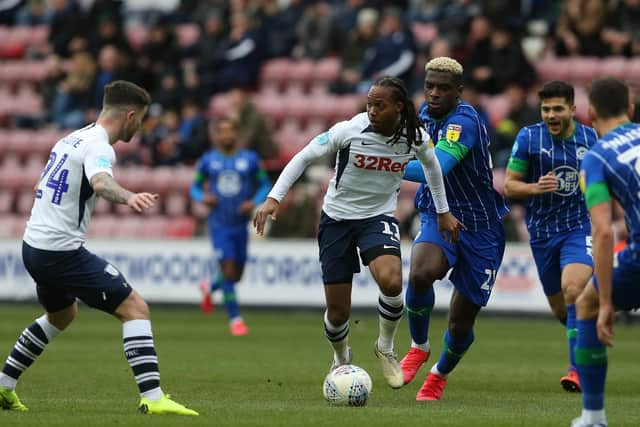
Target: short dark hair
(557, 89)
(609, 97)
(121, 93)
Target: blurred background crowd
(287, 70)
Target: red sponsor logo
(376, 163)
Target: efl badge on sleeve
(583, 182)
(453, 133)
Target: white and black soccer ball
(347, 385)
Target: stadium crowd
(285, 70)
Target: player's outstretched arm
(106, 187)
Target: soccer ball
(347, 385)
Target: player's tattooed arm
(106, 187)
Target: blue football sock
(230, 300)
(419, 307)
(572, 333)
(591, 362)
(452, 351)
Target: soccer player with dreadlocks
(462, 149)
(372, 151)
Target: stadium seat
(274, 71)
(154, 227)
(103, 226)
(176, 203)
(582, 69)
(182, 179)
(301, 71)
(129, 227)
(161, 179)
(614, 67)
(497, 106)
(273, 107)
(633, 70)
(24, 202)
(582, 103)
(6, 201)
(180, 228)
(552, 68)
(326, 70)
(103, 207)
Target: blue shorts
(63, 276)
(339, 242)
(474, 260)
(625, 294)
(230, 243)
(553, 254)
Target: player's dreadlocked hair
(409, 120)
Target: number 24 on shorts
(59, 184)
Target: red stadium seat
(633, 70)
(176, 203)
(552, 68)
(129, 227)
(272, 106)
(154, 227)
(582, 69)
(182, 179)
(275, 71)
(161, 179)
(103, 207)
(6, 201)
(24, 202)
(326, 70)
(218, 105)
(613, 67)
(180, 228)
(497, 106)
(103, 226)
(300, 71)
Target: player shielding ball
(543, 169)
(610, 171)
(372, 152)
(462, 149)
(79, 170)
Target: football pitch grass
(273, 376)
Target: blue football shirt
(612, 168)
(469, 185)
(535, 153)
(232, 179)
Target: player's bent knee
(63, 318)
(571, 290)
(422, 280)
(337, 317)
(587, 306)
(132, 308)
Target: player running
(610, 171)
(544, 166)
(236, 183)
(79, 169)
(372, 152)
(462, 149)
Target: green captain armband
(517, 165)
(457, 150)
(597, 193)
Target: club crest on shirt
(583, 182)
(242, 165)
(453, 133)
(581, 152)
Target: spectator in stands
(281, 29)
(254, 132)
(472, 97)
(314, 32)
(237, 62)
(168, 93)
(344, 18)
(161, 48)
(213, 36)
(68, 29)
(498, 62)
(192, 131)
(108, 32)
(579, 26)
(166, 149)
(427, 10)
(521, 114)
(394, 53)
(622, 30)
(73, 95)
(34, 13)
(358, 42)
(110, 68)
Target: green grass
(273, 377)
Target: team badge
(453, 133)
(580, 152)
(583, 182)
(242, 165)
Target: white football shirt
(64, 199)
(368, 170)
